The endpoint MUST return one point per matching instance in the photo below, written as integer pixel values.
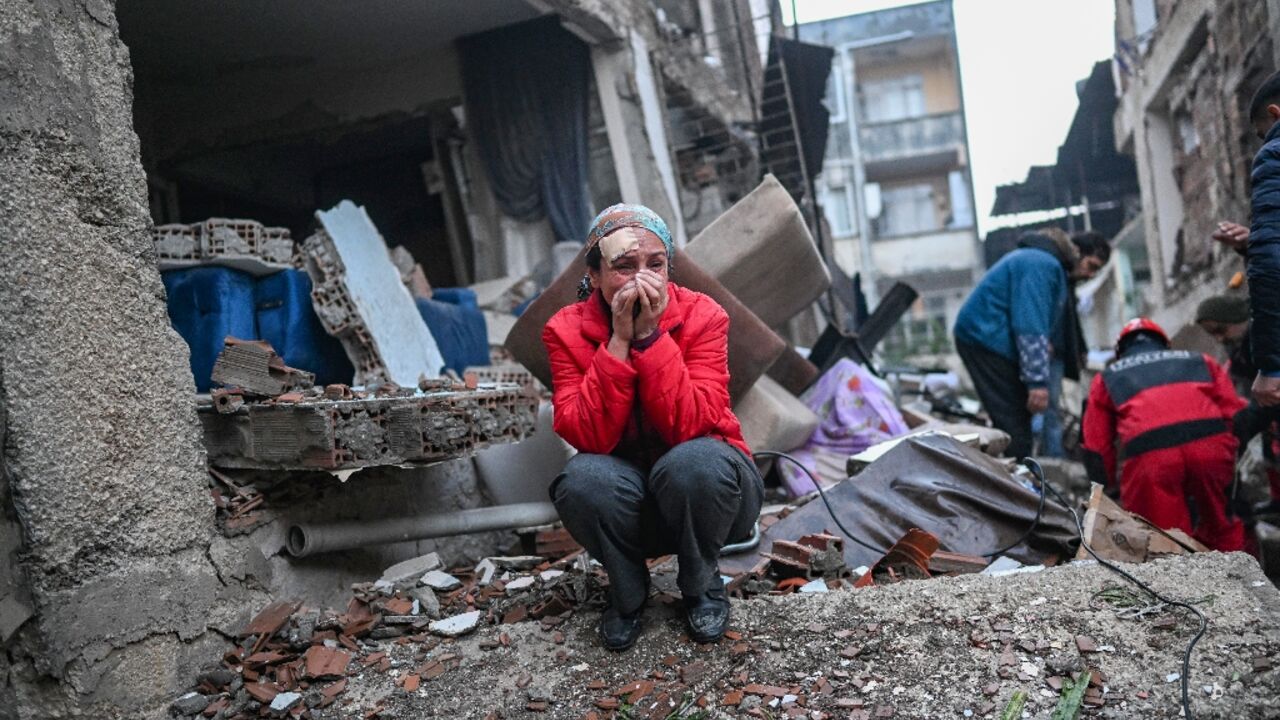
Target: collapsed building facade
(1186, 71)
(117, 575)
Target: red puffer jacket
(675, 390)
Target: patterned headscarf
(616, 217)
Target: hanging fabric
(526, 88)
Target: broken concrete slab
(440, 581)
(367, 431)
(360, 299)
(428, 603)
(520, 584)
(412, 569)
(456, 625)
(282, 702)
(254, 367)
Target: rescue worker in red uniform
(1166, 416)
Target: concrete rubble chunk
(190, 704)
(484, 572)
(441, 581)
(456, 625)
(520, 584)
(412, 569)
(428, 603)
(254, 367)
(360, 299)
(282, 702)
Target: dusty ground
(948, 647)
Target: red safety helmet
(1138, 325)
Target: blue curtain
(526, 88)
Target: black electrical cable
(1204, 622)
(830, 510)
(1035, 522)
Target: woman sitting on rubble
(641, 389)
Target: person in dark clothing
(1226, 318)
(1263, 253)
(1014, 322)
(1166, 415)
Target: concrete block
(367, 430)
(242, 244)
(360, 299)
(745, 248)
(412, 569)
(774, 419)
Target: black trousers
(1002, 393)
(697, 497)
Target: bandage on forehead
(619, 243)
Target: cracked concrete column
(102, 456)
(634, 120)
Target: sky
(1019, 63)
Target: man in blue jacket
(1263, 254)
(1014, 321)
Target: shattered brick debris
(237, 243)
(254, 368)
(293, 661)
(385, 426)
(812, 556)
(238, 506)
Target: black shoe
(619, 632)
(708, 615)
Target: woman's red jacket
(674, 390)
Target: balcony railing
(908, 138)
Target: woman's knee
(596, 483)
(700, 468)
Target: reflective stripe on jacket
(1154, 400)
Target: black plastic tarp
(967, 499)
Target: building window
(1188, 134)
(835, 91)
(907, 210)
(893, 99)
(838, 209)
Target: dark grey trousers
(1002, 393)
(698, 496)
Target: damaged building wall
(1186, 84)
(102, 452)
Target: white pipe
(304, 540)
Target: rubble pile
(1069, 638)
(293, 661)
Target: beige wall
(941, 89)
